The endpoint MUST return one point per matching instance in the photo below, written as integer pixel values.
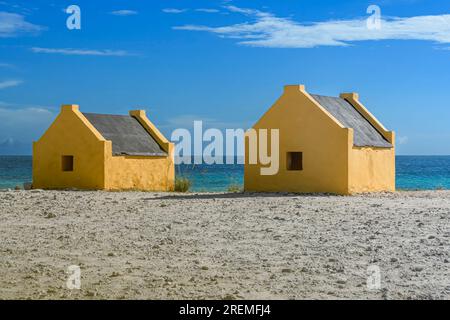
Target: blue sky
(224, 62)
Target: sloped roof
(128, 136)
(364, 134)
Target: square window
(67, 163)
(294, 161)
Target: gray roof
(128, 136)
(365, 134)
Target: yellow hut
(326, 144)
(99, 151)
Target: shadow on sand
(236, 195)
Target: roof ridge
(325, 96)
(107, 114)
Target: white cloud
(82, 52)
(173, 10)
(124, 12)
(9, 83)
(268, 30)
(206, 10)
(13, 24)
(19, 106)
(14, 119)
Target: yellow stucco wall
(330, 162)
(371, 169)
(139, 173)
(94, 165)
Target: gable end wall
(70, 134)
(305, 127)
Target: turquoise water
(14, 171)
(423, 172)
(413, 172)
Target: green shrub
(234, 188)
(182, 184)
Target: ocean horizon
(412, 173)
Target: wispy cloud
(6, 65)
(173, 10)
(124, 12)
(206, 10)
(267, 30)
(16, 116)
(19, 106)
(9, 83)
(13, 25)
(83, 52)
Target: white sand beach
(136, 245)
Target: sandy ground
(135, 245)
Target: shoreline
(412, 173)
(195, 191)
(155, 245)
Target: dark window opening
(67, 163)
(294, 161)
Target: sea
(412, 173)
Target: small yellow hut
(326, 144)
(100, 151)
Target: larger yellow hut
(326, 144)
(99, 151)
